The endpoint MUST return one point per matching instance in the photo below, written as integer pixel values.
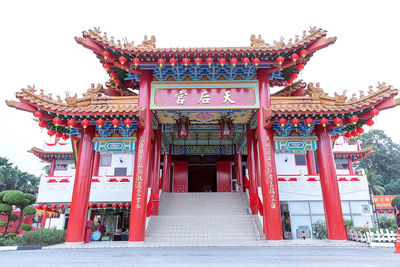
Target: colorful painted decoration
(198, 61)
(71, 123)
(51, 132)
(107, 66)
(85, 123)
(309, 121)
(128, 122)
(100, 122)
(222, 61)
(136, 62)
(246, 61)
(161, 62)
(105, 55)
(57, 121)
(323, 122)
(42, 124)
(256, 61)
(303, 53)
(122, 60)
(295, 122)
(172, 61)
(282, 122)
(374, 112)
(337, 121)
(353, 119)
(113, 75)
(233, 61)
(185, 61)
(38, 115)
(294, 57)
(369, 122)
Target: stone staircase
(201, 218)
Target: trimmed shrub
(395, 200)
(13, 217)
(3, 223)
(11, 241)
(29, 210)
(6, 208)
(319, 230)
(14, 197)
(2, 195)
(387, 223)
(31, 198)
(26, 227)
(44, 237)
(11, 235)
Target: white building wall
(285, 164)
(122, 160)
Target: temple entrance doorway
(202, 179)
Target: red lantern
(105, 55)
(183, 127)
(71, 123)
(337, 121)
(122, 60)
(105, 205)
(185, 61)
(308, 121)
(42, 124)
(127, 205)
(114, 205)
(323, 122)
(295, 122)
(117, 82)
(59, 135)
(54, 206)
(334, 137)
(280, 60)
(293, 76)
(370, 122)
(51, 132)
(354, 133)
(282, 122)
(100, 122)
(136, 62)
(222, 61)
(294, 57)
(98, 205)
(390, 211)
(289, 81)
(38, 207)
(300, 67)
(107, 67)
(45, 207)
(172, 61)
(198, 61)
(113, 75)
(38, 115)
(303, 53)
(359, 130)
(353, 119)
(225, 127)
(128, 122)
(57, 121)
(65, 136)
(347, 135)
(256, 61)
(91, 205)
(374, 112)
(85, 123)
(210, 61)
(115, 122)
(233, 61)
(68, 205)
(60, 207)
(121, 205)
(246, 61)
(161, 62)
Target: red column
(252, 171)
(312, 170)
(155, 188)
(166, 172)
(81, 191)
(350, 163)
(96, 163)
(238, 169)
(257, 160)
(151, 165)
(272, 212)
(137, 219)
(329, 186)
(52, 167)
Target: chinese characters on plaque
(204, 97)
(139, 176)
(270, 176)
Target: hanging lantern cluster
(225, 126)
(296, 61)
(104, 206)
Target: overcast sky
(38, 47)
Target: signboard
(303, 231)
(366, 210)
(294, 146)
(204, 95)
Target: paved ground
(204, 256)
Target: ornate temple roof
(48, 156)
(354, 155)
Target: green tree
(384, 162)
(375, 182)
(11, 178)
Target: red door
(224, 174)
(180, 176)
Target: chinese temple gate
(201, 113)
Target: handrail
(252, 218)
